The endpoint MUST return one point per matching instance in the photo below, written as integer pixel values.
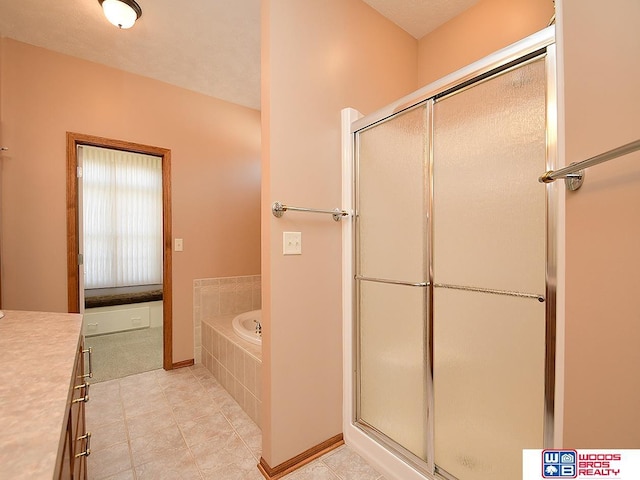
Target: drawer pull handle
(85, 399)
(87, 450)
(90, 374)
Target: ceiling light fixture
(122, 13)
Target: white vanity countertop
(37, 356)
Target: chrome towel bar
(278, 210)
(574, 174)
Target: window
(122, 218)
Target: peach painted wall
(265, 227)
(215, 173)
(319, 56)
(485, 28)
(599, 45)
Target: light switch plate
(292, 243)
(178, 246)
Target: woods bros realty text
(600, 464)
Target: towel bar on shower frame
(278, 209)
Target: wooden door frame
(73, 276)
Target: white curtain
(122, 218)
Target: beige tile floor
(183, 425)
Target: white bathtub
(244, 325)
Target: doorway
(75, 284)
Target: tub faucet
(258, 328)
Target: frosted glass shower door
(391, 272)
(489, 258)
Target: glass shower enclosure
(454, 302)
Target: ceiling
(208, 46)
(419, 17)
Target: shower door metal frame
(408, 456)
(534, 47)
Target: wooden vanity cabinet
(77, 440)
(66, 464)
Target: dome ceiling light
(121, 13)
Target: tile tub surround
(234, 362)
(213, 297)
(37, 357)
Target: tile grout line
(191, 454)
(333, 472)
(121, 404)
(126, 429)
